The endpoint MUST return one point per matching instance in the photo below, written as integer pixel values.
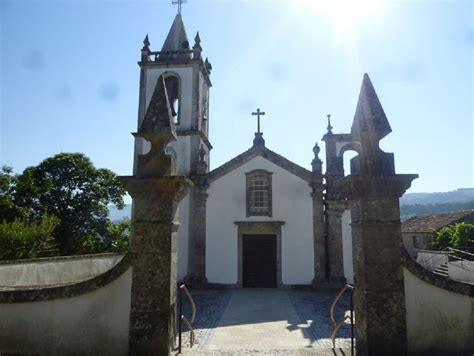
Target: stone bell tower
(187, 82)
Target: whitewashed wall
(347, 246)
(432, 259)
(462, 271)
(94, 323)
(291, 203)
(437, 319)
(55, 271)
(185, 75)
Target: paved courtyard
(265, 322)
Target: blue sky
(69, 77)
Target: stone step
(269, 352)
(441, 270)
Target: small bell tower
(187, 80)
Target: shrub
(21, 239)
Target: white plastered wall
(95, 323)
(291, 203)
(437, 318)
(347, 246)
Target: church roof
(433, 222)
(262, 151)
(176, 44)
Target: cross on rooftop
(258, 114)
(179, 3)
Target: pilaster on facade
(319, 243)
(333, 212)
(320, 271)
(197, 228)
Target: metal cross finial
(258, 114)
(179, 3)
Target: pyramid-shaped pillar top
(370, 121)
(370, 125)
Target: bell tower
(187, 80)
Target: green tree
(69, 187)
(116, 239)
(459, 236)
(463, 236)
(443, 237)
(8, 211)
(20, 239)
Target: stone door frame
(259, 228)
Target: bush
(21, 239)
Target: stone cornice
(264, 152)
(61, 291)
(59, 258)
(358, 186)
(431, 278)
(252, 223)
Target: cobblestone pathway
(312, 324)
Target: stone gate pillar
(156, 193)
(374, 189)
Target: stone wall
(90, 317)
(56, 270)
(439, 311)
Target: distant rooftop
(433, 222)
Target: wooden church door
(259, 261)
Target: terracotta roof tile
(430, 223)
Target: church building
(259, 220)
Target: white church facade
(258, 220)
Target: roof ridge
(266, 153)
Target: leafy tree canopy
(459, 236)
(68, 187)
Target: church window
(259, 193)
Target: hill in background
(414, 204)
(411, 204)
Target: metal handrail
(336, 326)
(461, 251)
(182, 318)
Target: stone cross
(179, 3)
(258, 114)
